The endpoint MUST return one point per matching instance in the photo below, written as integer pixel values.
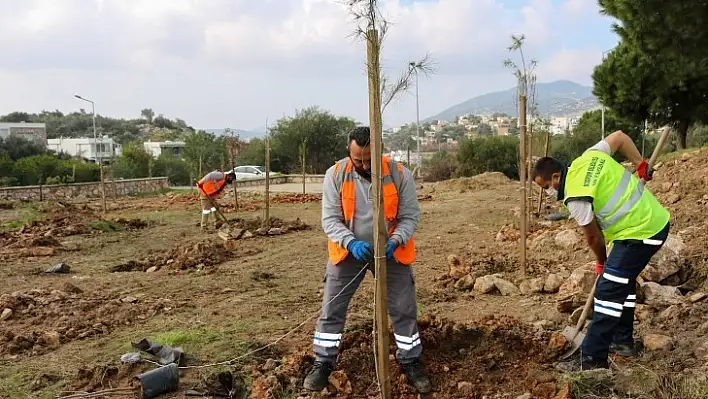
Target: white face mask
(552, 192)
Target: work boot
(624, 350)
(416, 376)
(583, 363)
(318, 377)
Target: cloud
(222, 63)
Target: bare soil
(156, 276)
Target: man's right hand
(361, 250)
(598, 268)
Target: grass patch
(26, 215)
(106, 226)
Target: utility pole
(98, 153)
(381, 309)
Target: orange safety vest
(210, 187)
(405, 253)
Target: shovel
(225, 229)
(574, 335)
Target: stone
(129, 299)
(465, 388)
(697, 297)
(657, 342)
(660, 295)
(564, 393)
(525, 396)
(72, 289)
(544, 391)
(553, 283)
(557, 343)
(673, 312)
(51, 339)
(667, 262)
(6, 314)
(246, 235)
(701, 351)
(686, 156)
(340, 382)
(275, 231)
(270, 365)
(525, 287)
(574, 291)
(457, 269)
(484, 284)
(567, 239)
(465, 283)
(152, 269)
(672, 198)
(543, 324)
(506, 288)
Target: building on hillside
(35, 132)
(402, 156)
(90, 149)
(157, 148)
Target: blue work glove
(390, 247)
(361, 250)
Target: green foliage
(80, 124)
(404, 139)
(204, 152)
(440, 167)
(589, 131)
(698, 136)
(489, 154)
(47, 169)
(326, 137)
(176, 169)
(17, 147)
(660, 69)
(252, 153)
(133, 162)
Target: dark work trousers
(402, 308)
(616, 296)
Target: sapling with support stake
(266, 219)
(372, 29)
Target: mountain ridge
(557, 98)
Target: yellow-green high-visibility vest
(622, 206)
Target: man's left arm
(408, 208)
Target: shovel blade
(574, 342)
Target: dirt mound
(475, 183)
(491, 356)
(201, 255)
(296, 198)
(41, 320)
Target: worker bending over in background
(348, 221)
(210, 188)
(612, 206)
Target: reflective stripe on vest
(605, 216)
(344, 180)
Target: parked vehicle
(251, 172)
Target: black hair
(361, 135)
(546, 167)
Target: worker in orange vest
(347, 219)
(210, 187)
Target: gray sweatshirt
(333, 218)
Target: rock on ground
(660, 295)
(553, 283)
(457, 269)
(567, 239)
(532, 286)
(484, 284)
(574, 291)
(465, 283)
(657, 342)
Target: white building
(36, 132)
(87, 148)
(156, 148)
(402, 156)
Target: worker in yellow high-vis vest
(347, 219)
(613, 207)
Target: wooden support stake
(529, 157)
(381, 309)
(303, 150)
(233, 169)
(545, 154)
(522, 178)
(266, 220)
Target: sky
(238, 63)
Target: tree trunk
(681, 134)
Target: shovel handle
(586, 311)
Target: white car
(250, 172)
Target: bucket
(158, 381)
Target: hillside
(245, 135)
(557, 98)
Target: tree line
(659, 70)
